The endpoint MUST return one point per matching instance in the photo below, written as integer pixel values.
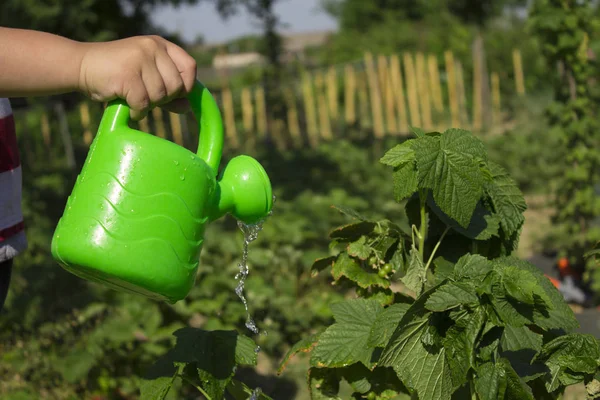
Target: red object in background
(555, 282)
(563, 266)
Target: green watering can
(136, 217)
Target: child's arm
(144, 70)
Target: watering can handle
(208, 117)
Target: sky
(202, 19)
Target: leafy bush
(475, 322)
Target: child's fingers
(155, 86)
(184, 63)
(137, 98)
(170, 76)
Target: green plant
(443, 309)
(565, 28)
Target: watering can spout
(243, 190)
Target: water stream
(250, 232)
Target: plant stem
(423, 227)
(185, 378)
(472, 387)
(437, 245)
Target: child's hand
(146, 71)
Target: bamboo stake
(324, 120)
(381, 72)
(413, 97)
(518, 66)
(144, 125)
(84, 113)
(434, 79)
(309, 110)
(390, 106)
(398, 88)
(349, 94)
(423, 88)
(175, 121)
(388, 92)
(496, 110)
(461, 94)
(332, 93)
(247, 110)
(261, 112)
(159, 124)
(292, 116)
(363, 98)
(276, 127)
(378, 129)
(229, 115)
(453, 97)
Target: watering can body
(136, 217)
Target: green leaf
(385, 324)
(483, 224)
(214, 354)
(506, 198)
(357, 376)
(570, 358)
(522, 286)
(351, 269)
(417, 131)
(346, 341)
(385, 297)
(322, 263)
(472, 266)
(420, 367)
(519, 338)
(324, 384)
(359, 249)
(520, 345)
(305, 345)
(459, 343)
(405, 181)
(450, 295)
(399, 155)
(500, 381)
(449, 166)
(353, 231)
(158, 382)
(511, 311)
(516, 389)
(489, 344)
(415, 272)
(240, 391)
(490, 382)
(560, 316)
(349, 212)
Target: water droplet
(176, 162)
(182, 178)
(255, 394)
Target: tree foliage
(566, 28)
(472, 321)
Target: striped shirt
(12, 233)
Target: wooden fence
(380, 94)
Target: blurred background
(316, 90)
